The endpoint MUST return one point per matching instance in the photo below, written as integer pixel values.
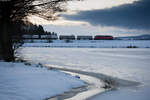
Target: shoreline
(72, 93)
(93, 86)
(108, 83)
(102, 83)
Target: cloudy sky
(106, 17)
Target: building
(103, 37)
(84, 37)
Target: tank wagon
(67, 37)
(80, 37)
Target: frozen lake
(130, 64)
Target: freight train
(69, 37)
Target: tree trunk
(7, 52)
(6, 41)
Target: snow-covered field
(21, 82)
(91, 43)
(130, 64)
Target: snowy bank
(93, 44)
(21, 82)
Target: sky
(102, 17)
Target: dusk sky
(102, 17)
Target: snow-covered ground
(21, 82)
(91, 43)
(130, 64)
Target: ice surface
(123, 63)
(130, 64)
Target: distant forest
(27, 28)
(33, 29)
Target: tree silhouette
(13, 11)
(40, 31)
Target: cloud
(131, 16)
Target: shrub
(67, 41)
(132, 46)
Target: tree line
(33, 29)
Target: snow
(22, 82)
(124, 63)
(90, 43)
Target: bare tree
(12, 11)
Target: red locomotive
(103, 37)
